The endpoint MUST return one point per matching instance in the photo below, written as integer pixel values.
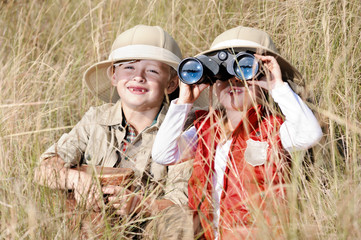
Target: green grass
(45, 47)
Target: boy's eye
(153, 71)
(128, 67)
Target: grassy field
(45, 47)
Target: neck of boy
(140, 120)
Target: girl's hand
(190, 93)
(273, 75)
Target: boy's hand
(86, 192)
(190, 93)
(273, 74)
(53, 173)
(123, 200)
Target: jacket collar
(114, 115)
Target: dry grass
(45, 46)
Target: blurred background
(45, 47)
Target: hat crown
(147, 35)
(245, 35)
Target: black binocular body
(221, 66)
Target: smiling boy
(135, 80)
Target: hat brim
(97, 79)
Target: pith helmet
(244, 38)
(140, 42)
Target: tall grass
(45, 47)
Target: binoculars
(220, 66)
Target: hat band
(232, 43)
(143, 52)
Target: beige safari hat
(139, 42)
(245, 38)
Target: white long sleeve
(300, 129)
(171, 143)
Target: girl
(240, 151)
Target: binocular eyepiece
(221, 66)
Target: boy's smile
(137, 90)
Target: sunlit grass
(45, 47)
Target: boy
(137, 77)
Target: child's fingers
(118, 199)
(121, 209)
(267, 61)
(203, 86)
(272, 71)
(264, 58)
(190, 93)
(95, 202)
(114, 190)
(108, 190)
(126, 206)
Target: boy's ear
(114, 80)
(172, 84)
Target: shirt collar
(114, 115)
(250, 122)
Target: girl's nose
(236, 81)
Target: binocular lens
(191, 71)
(246, 67)
(221, 66)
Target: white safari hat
(245, 38)
(139, 42)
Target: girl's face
(237, 95)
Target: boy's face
(236, 95)
(142, 84)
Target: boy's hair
(173, 73)
(175, 93)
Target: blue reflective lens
(246, 68)
(191, 71)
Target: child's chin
(235, 107)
